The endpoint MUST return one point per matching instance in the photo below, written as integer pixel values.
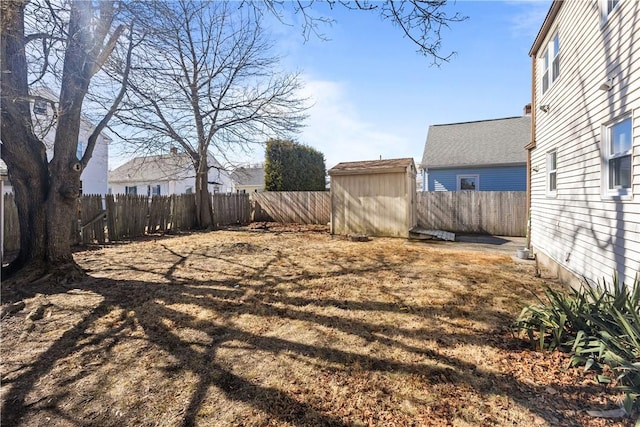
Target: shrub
(598, 324)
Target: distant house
(165, 174)
(248, 179)
(94, 177)
(585, 151)
(487, 155)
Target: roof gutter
(476, 166)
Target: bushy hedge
(598, 324)
(290, 166)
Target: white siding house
(165, 174)
(94, 177)
(584, 157)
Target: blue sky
(375, 96)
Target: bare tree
(216, 60)
(67, 43)
(421, 21)
(204, 80)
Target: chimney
(174, 150)
(527, 109)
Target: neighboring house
(165, 174)
(94, 176)
(486, 155)
(248, 179)
(585, 151)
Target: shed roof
(372, 166)
(481, 143)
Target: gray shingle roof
(372, 166)
(248, 176)
(481, 143)
(159, 168)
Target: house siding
(579, 228)
(177, 184)
(95, 176)
(507, 178)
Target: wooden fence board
(303, 207)
(92, 219)
(501, 213)
(230, 209)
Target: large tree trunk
(46, 193)
(65, 168)
(22, 151)
(204, 209)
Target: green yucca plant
(598, 324)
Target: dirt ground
(270, 326)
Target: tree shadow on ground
(148, 315)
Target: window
(188, 190)
(79, 151)
(131, 190)
(153, 190)
(468, 182)
(617, 157)
(611, 4)
(552, 172)
(40, 107)
(607, 7)
(551, 63)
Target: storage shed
(376, 198)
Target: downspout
(531, 146)
(425, 180)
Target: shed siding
(508, 178)
(374, 204)
(579, 228)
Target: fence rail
(502, 213)
(300, 207)
(125, 217)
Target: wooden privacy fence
(501, 213)
(231, 209)
(123, 217)
(300, 207)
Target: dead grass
(261, 328)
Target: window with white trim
(131, 190)
(551, 63)
(617, 148)
(607, 7)
(467, 182)
(552, 172)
